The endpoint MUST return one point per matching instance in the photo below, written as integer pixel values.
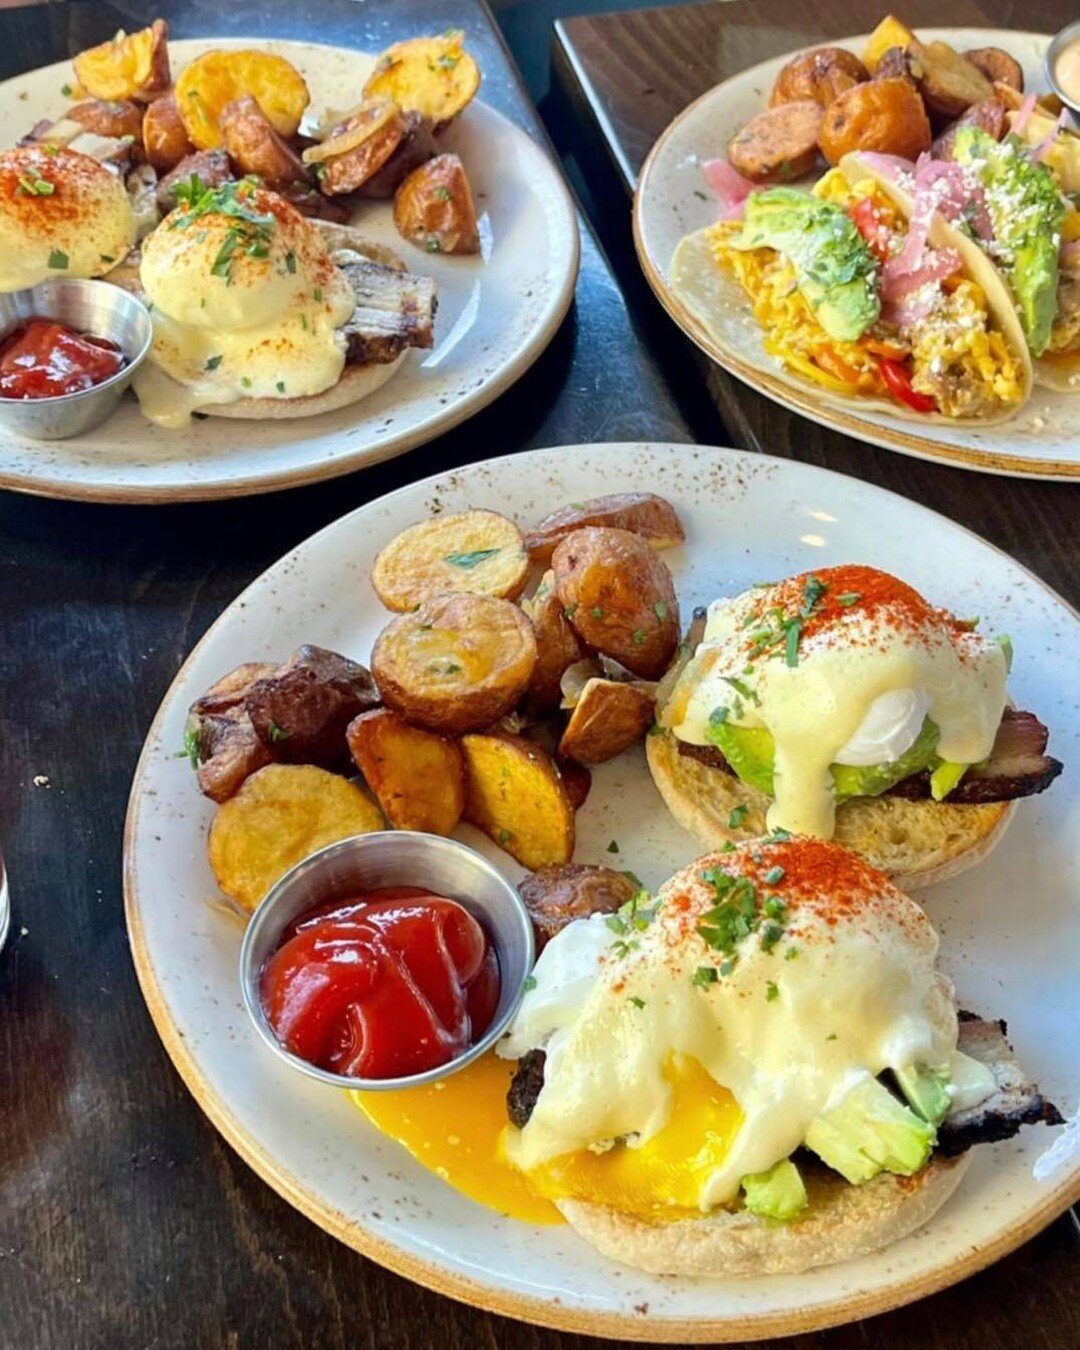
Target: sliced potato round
(130, 65)
(218, 78)
(282, 815)
(608, 717)
(417, 776)
(480, 552)
(434, 76)
(516, 796)
(456, 663)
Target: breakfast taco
(861, 302)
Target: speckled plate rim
(430, 1274)
(786, 392)
(449, 416)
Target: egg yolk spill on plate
(453, 1128)
(457, 1128)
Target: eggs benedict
(62, 214)
(260, 312)
(760, 1071)
(841, 704)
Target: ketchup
(42, 359)
(384, 985)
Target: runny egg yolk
(454, 1128)
(457, 1128)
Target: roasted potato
(231, 689)
(109, 117)
(435, 77)
(819, 75)
(889, 33)
(779, 143)
(989, 115)
(211, 167)
(302, 708)
(282, 815)
(516, 796)
(886, 116)
(416, 147)
(417, 776)
(456, 663)
(255, 147)
(576, 781)
(896, 64)
(556, 896)
(639, 512)
(164, 138)
(948, 82)
(557, 645)
(130, 65)
(480, 552)
(619, 596)
(997, 66)
(434, 208)
(214, 80)
(223, 745)
(358, 147)
(608, 717)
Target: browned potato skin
(577, 781)
(556, 896)
(434, 208)
(106, 117)
(779, 143)
(230, 690)
(164, 138)
(417, 776)
(499, 641)
(301, 710)
(639, 512)
(989, 115)
(608, 718)
(227, 747)
(948, 82)
(351, 170)
(818, 75)
(416, 147)
(619, 596)
(895, 64)
(557, 646)
(997, 66)
(517, 796)
(256, 148)
(886, 116)
(87, 66)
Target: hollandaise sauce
(846, 666)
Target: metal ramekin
(1070, 32)
(393, 858)
(94, 307)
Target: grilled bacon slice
(394, 310)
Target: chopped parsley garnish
(528, 983)
(771, 992)
(596, 612)
(726, 967)
(613, 847)
(655, 729)
(245, 382)
(249, 231)
(639, 636)
(433, 246)
(442, 193)
(106, 257)
(848, 599)
(791, 954)
(66, 90)
(738, 913)
(505, 836)
(451, 668)
(773, 875)
(832, 1037)
(277, 733)
(791, 641)
(58, 260)
(738, 815)
(191, 747)
(280, 386)
(704, 975)
(213, 362)
(741, 687)
(290, 262)
(570, 611)
(446, 61)
(637, 1002)
(470, 560)
(35, 187)
(660, 610)
(719, 716)
(316, 294)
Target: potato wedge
(948, 82)
(280, 816)
(886, 116)
(130, 65)
(998, 66)
(434, 208)
(457, 663)
(556, 896)
(479, 552)
(434, 76)
(416, 147)
(515, 795)
(890, 32)
(164, 136)
(109, 117)
(417, 776)
(639, 512)
(619, 596)
(219, 78)
(557, 645)
(608, 718)
(255, 147)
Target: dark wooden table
(624, 76)
(125, 1221)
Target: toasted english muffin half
(917, 843)
(842, 1222)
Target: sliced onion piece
(1023, 114)
(371, 116)
(730, 187)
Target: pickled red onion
(1023, 114)
(730, 187)
(1045, 144)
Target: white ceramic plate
(496, 315)
(1041, 441)
(1010, 929)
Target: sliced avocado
(778, 1193)
(871, 1132)
(749, 751)
(944, 777)
(835, 269)
(1027, 212)
(926, 1090)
